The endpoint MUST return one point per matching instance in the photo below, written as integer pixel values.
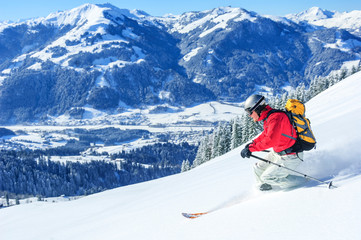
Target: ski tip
(193, 215)
(187, 215)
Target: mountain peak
(312, 14)
(92, 13)
(75, 16)
(351, 21)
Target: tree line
(33, 173)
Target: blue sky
(23, 9)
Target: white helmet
(254, 103)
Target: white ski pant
(278, 176)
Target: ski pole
(329, 184)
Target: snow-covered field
(152, 210)
(206, 113)
(181, 124)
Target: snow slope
(152, 210)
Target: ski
(194, 215)
(228, 203)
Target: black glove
(246, 153)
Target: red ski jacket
(278, 132)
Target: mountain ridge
(329, 19)
(122, 58)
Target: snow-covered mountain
(312, 15)
(225, 186)
(350, 21)
(102, 57)
(88, 23)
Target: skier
(278, 134)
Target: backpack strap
(274, 111)
(292, 148)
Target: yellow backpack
(295, 110)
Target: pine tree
(313, 88)
(215, 142)
(300, 92)
(245, 128)
(199, 157)
(353, 69)
(254, 130)
(277, 103)
(207, 155)
(249, 128)
(343, 74)
(204, 152)
(224, 139)
(332, 80)
(236, 138)
(185, 166)
(284, 99)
